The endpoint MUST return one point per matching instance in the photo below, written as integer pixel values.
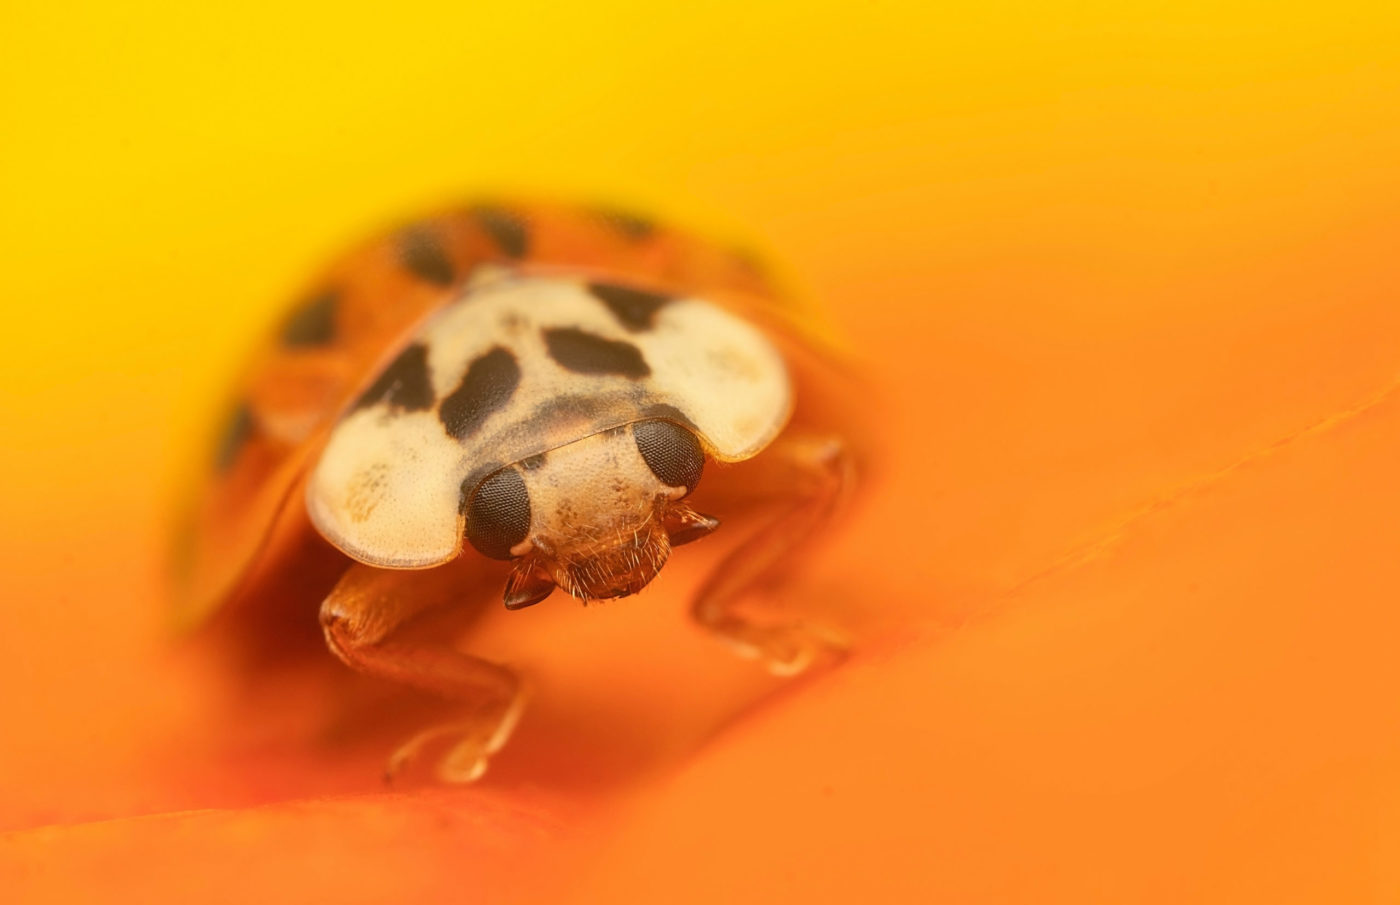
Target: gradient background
(1126, 588)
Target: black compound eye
(671, 452)
(498, 516)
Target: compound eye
(671, 452)
(498, 515)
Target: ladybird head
(597, 517)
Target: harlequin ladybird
(533, 384)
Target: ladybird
(535, 385)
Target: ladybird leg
(806, 480)
(360, 618)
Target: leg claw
(473, 744)
(790, 650)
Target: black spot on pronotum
(235, 434)
(666, 412)
(671, 452)
(404, 385)
(628, 225)
(565, 413)
(498, 513)
(585, 353)
(422, 252)
(312, 323)
(506, 228)
(487, 386)
(635, 309)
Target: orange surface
(1124, 589)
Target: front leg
(803, 483)
(360, 618)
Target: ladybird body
(524, 368)
(536, 384)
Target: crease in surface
(1193, 487)
(537, 818)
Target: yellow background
(1108, 261)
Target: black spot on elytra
(506, 228)
(498, 513)
(422, 252)
(585, 353)
(751, 263)
(404, 384)
(235, 434)
(487, 386)
(312, 323)
(630, 226)
(634, 308)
